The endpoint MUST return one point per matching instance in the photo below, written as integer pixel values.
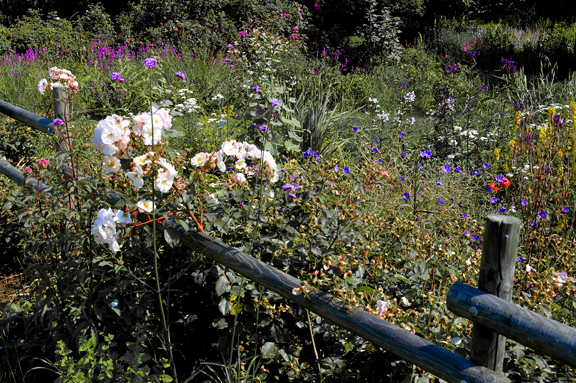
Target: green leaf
(365, 289)
(222, 285)
(172, 237)
(401, 278)
(224, 306)
(183, 223)
(268, 350)
(294, 136)
(353, 280)
(291, 122)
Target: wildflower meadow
(367, 173)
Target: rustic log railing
(414, 349)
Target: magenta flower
(150, 63)
(243, 33)
(182, 76)
(57, 122)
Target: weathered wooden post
(496, 277)
(62, 111)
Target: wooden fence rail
(498, 249)
(515, 322)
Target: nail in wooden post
(496, 277)
(61, 111)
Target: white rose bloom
(123, 219)
(145, 206)
(139, 121)
(240, 164)
(199, 159)
(169, 168)
(136, 177)
(165, 117)
(164, 182)
(42, 85)
(240, 177)
(109, 132)
(111, 164)
(230, 148)
(114, 246)
(144, 159)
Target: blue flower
(402, 134)
(440, 201)
(438, 183)
(501, 210)
(346, 170)
(464, 215)
(425, 154)
(446, 169)
(493, 200)
(542, 214)
(500, 178)
(256, 89)
(402, 178)
(458, 170)
(375, 150)
(565, 210)
(273, 102)
(420, 166)
(474, 237)
(403, 155)
(488, 189)
(520, 258)
(354, 129)
(336, 168)
(523, 202)
(486, 165)
(263, 128)
(406, 196)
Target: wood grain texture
(501, 236)
(61, 111)
(412, 348)
(33, 120)
(533, 330)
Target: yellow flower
(497, 153)
(516, 122)
(505, 168)
(512, 143)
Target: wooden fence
(489, 310)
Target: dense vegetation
(373, 165)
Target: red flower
(491, 184)
(505, 183)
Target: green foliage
(97, 362)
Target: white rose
(111, 164)
(145, 206)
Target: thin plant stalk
(155, 250)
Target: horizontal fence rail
(533, 330)
(412, 348)
(33, 120)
